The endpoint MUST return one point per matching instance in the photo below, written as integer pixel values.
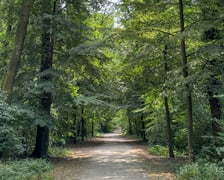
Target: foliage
(10, 141)
(163, 151)
(23, 169)
(198, 171)
(213, 149)
(58, 152)
(158, 150)
(106, 74)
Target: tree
(167, 109)
(18, 47)
(42, 136)
(188, 90)
(212, 33)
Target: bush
(196, 171)
(58, 152)
(158, 150)
(214, 150)
(10, 142)
(164, 151)
(19, 170)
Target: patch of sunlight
(162, 176)
(79, 155)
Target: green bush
(158, 150)
(164, 151)
(214, 150)
(205, 171)
(58, 152)
(10, 141)
(20, 170)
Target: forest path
(114, 157)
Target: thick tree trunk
(42, 140)
(215, 109)
(188, 90)
(18, 47)
(166, 104)
(213, 84)
(42, 137)
(6, 53)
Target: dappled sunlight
(80, 155)
(161, 176)
(113, 156)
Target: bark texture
(42, 137)
(167, 110)
(188, 90)
(18, 47)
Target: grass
(59, 152)
(159, 150)
(23, 169)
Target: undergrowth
(58, 152)
(159, 150)
(24, 169)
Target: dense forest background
(71, 69)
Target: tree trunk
(42, 140)
(213, 83)
(92, 127)
(18, 47)
(74, 129)
(166, 104)
(83, 124)
(129, 125)
(188, 90)
(42, 137)
(215, 109)
(93, 124)
(143, 128)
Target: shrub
(58, 152)
(205, 171)
(214, 150)
(158, 150)
(10, 142)
(19, 170)
(164, 151)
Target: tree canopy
(72, 69)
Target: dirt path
(112, 157)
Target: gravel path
(113, 157)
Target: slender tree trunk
(143, 127)
(74, 129)
(42, 138)
(78, 128)
(92, 127)
(129, 125)
(83, 124)
(188, 90)
(18, 47)
(166, 104)
(93, 124)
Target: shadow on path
(111, 156)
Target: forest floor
(114, 157)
